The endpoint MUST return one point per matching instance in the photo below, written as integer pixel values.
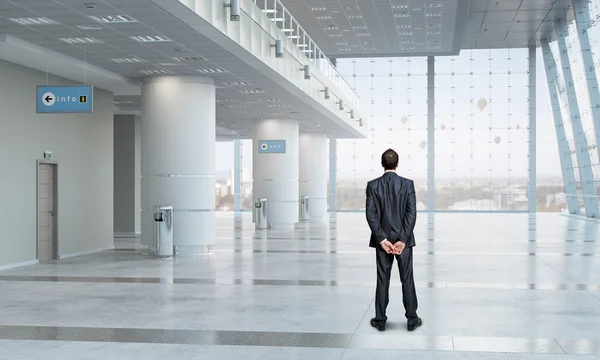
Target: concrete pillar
(178, 158)
(276, 170)
(313, 173)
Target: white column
(178, 158)
(313, 173)
(430, 133)
(276, 174)
(332, 175)
(532, 183)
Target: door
(46, 198)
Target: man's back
(391, 205)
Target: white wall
(83, 146)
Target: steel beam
(581, 144)
(566, 162)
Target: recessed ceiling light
(363, 34)
(401, 15)
(349, 8)
(277, 105)
(113, 19)
(82, 40)
(341, 43)
(89, 27)
(433, 14)
(403, 26)
(186, 59)
(150, 39)
(360, 27)
(434, 25)
(332, 27)
(317, 9)
(434, 32)
(211, 71)
(168, 64)
(269, 100)
(236, 83)
(401, 6)
(335, 35)
(225, 100)
(238, 106)
(324, 17)
(252, 91)
(132, 60)
(155, 72)
(33, 21)
(405, 33)
(434, 5)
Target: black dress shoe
(378, 325)
(414, 326)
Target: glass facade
(393, 95)
(482, 125)
(482, 130)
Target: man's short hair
(389, 159)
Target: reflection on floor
(499, 286)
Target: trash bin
(304, 209)
(260, 214)
(163, 233)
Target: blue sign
(271, 147)
(65, 99)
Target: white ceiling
(243, 93)
(381, 28)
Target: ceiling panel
(381, 24)
(380, 27)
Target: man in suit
(391, 212)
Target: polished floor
(490, 286)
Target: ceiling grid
(375, 28)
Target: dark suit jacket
(391, 209)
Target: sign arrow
(48, 99)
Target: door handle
(51, 212)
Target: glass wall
(393, 93)
(224, 176)
(482, 130)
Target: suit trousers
(409, 293)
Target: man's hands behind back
(395, 249)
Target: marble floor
(490, 286)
